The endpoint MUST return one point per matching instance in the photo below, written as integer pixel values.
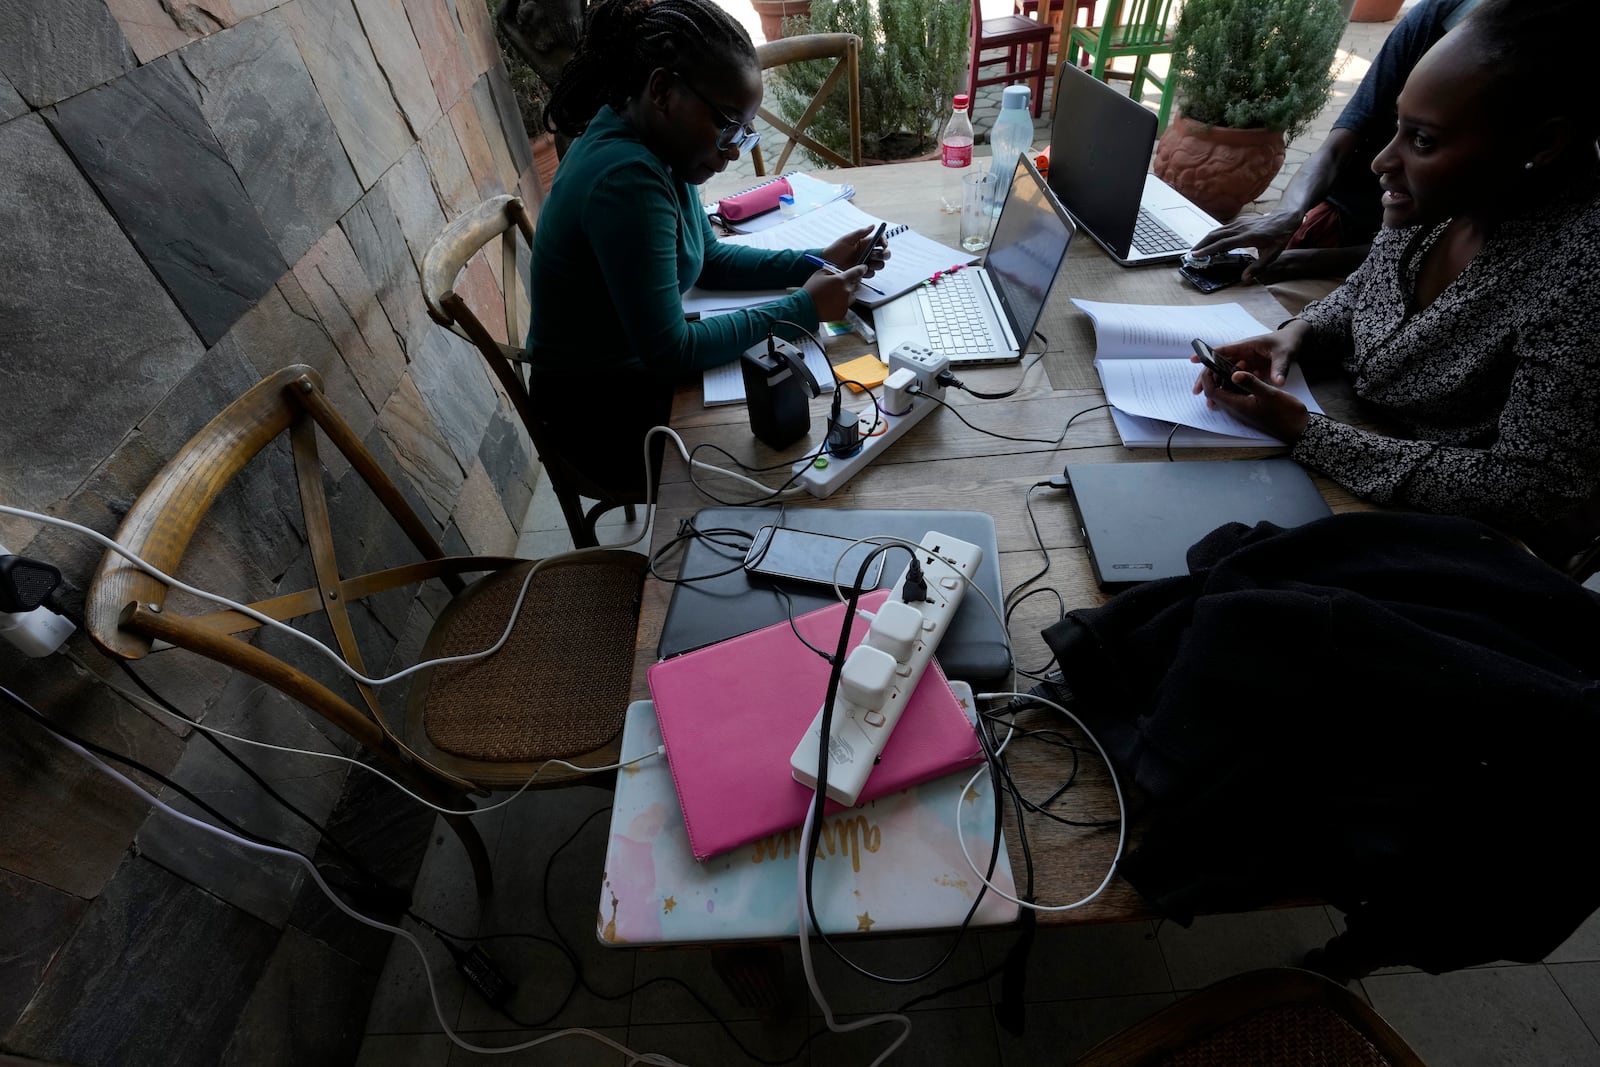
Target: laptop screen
(1029, 243)
(1100, 144)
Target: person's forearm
(1315, 176)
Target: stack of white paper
(1142, 353)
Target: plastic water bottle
(955, 152)
(1011, 136)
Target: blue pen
(818, 261)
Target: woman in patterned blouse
(1473, 328)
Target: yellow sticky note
(867, 370)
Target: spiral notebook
(732, 713)
(913, 258)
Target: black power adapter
(776, 388)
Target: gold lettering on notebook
(847, 835)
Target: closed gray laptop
(1139, 519)
(719, 600)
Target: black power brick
(482, 975)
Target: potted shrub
(913, 52)
(1248, 75)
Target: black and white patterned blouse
(1497, 382)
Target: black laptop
(1139, 519)
(705, 612)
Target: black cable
(43, 720)
(687, 531)
(788, 606)
(323, 833)
(951, 381)
(668, 979)
(820, 797)
(1038, 538)
(1037, 673)
(760, 500)
(1170, 435)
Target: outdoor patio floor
(1084, 983)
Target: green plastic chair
(1137, 28)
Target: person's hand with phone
(1260, 365)
(859, 248)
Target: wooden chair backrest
(1203, 1028)
(845, 50)
(1138, 22)
(126, 609)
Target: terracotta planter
(1220, 169)
(544, 159)
(773, 12)
(1375, 10)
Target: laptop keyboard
(1150, 236)
(953, 312)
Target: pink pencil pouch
(752, 202)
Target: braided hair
(624, 40)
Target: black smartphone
(1210, 273)
(877, 235)
(1216, 365)
(803, 556)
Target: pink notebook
(731, 714)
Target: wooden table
(942, 464)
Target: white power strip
(882, 672)
(902, 409)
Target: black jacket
(1399, 714)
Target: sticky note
(868, 370)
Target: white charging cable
(811, 977)
(1122, 811)
(150, 707)
(655, 1058)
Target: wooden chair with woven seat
(557, 689)
(1277, 1017)
(845, 50)
(1137, 28)
(506, 218)
(1026, 45)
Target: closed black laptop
(1139, 519)
(705, 612)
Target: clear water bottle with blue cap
(1011, 136)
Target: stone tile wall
(191, 196)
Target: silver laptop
(1100, 145)
(987, 314)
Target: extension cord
(882, 672)
(822, 476)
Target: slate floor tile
(1217, 946)
(1485, 1017)
(569, 1050)
(949, 1037)
(1058, 1031)
(1073, 962)
(1581, 984)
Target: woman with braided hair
(659, 97)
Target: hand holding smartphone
(1217, 366)
(877, 235)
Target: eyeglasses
(734, 134)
